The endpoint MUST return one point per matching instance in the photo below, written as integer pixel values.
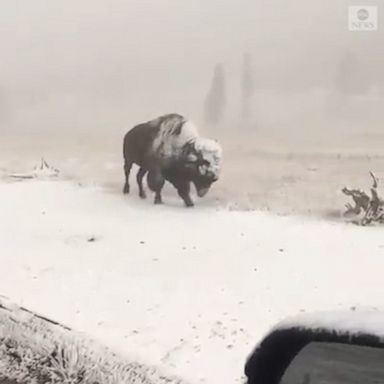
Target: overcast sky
(139, 56)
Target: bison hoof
(189, 204)
(158, 201)
(143, 195)
(126, 189)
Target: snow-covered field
(288, 175)
(299, 116)
(190, 290)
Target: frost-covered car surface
(273, 355)
(35, 349)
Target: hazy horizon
(94, 64)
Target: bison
(169, 148)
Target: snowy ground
(189, 290)
(288, 175)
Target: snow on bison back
(169, 148)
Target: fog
(98, 64)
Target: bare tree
(215, 101)
(371, 207)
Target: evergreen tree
(350, 79)
(215, 101)
(247, 87)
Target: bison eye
(203, 162)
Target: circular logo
(362, 14)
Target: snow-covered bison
(169, 148)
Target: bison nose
(201, 192)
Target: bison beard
(180, 177)
(169, 149)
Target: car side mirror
(325, 347)
(336, 363)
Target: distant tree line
(351, 78)
(216, 99)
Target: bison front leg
(155, 181)
(184, 189)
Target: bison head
(203, 161)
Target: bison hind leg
(155, 181)
(158, 199)
(127, 171)
(139, 177)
